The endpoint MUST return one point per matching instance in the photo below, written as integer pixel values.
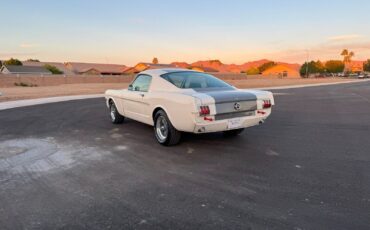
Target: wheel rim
(161, 128)
(112, 113)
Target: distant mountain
(218, 66)
(235, 68)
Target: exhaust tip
(201, 130)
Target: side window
(141, 83)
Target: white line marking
(39, 101)
(314, 84)
(279, 94)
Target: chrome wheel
(113, 113)
(115, 117)
(161, 128)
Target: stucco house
(281, 70)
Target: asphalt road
(64, 165)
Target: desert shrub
(53, 69)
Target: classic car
(181, 100)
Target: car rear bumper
(223, 125)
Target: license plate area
(234, 123)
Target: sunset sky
(127, 32)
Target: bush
(253, 71)
(24, 84)
(13, 61)
(266, 66)
(53, 69)
(33, 60)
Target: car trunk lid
(229, 104)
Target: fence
(10, 80)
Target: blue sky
(233, 31)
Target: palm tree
(347, 56)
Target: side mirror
(137, 88)
(130, 87)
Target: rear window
(194, 80)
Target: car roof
(158, 72)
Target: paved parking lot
(64, 165)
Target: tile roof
(27, 69)
(58, 65)
(103, 68)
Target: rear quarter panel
(180, 108)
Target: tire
(115, 117)
(164, 131)
(233, 133)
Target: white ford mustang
(180, 100)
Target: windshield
(194, 80)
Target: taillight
(266, 104)
(204, 110)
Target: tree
(367, 65)
(215, 61)
(13, 61)
(334, 66)
(53, 69)
(266, 66)
(253, 71)
(312, 67)
(155, 60)
(33, 60)
(347, 55)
